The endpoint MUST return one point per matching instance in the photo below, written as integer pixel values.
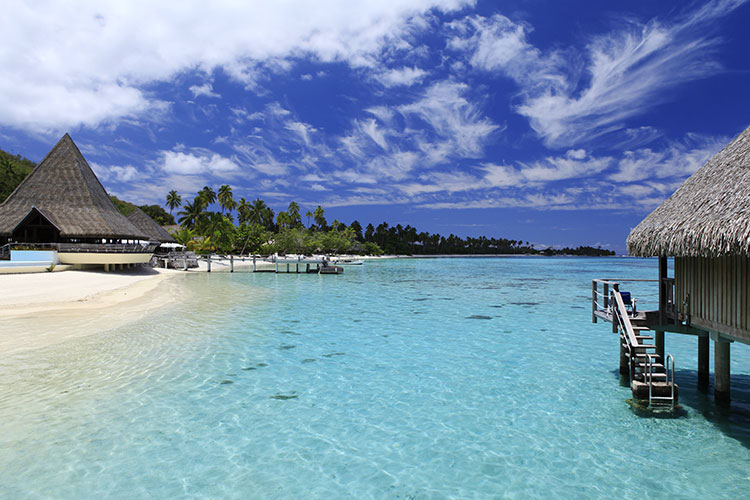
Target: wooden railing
(86, 247)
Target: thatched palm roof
(153, 230)
(65, 189)
(708, 216)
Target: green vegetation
(13, 170)
(259, 230)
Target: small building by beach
(705, 227)
(62, 206)
(150, 227)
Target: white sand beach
(37, 310)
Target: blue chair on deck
(629, 302)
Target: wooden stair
(651, 380)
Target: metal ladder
(669, 372)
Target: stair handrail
(624, 319)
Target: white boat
(349, 262)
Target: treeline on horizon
(259, 230)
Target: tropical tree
(283, 220)
(173, 200)
(320, 220)
(226, 199)
(184, 236)
(357, 228)
(308, 214)
(243, 211)
(250, 238)
(191, 212)
(295, 219)
(208, 195)
(260, 213)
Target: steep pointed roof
(66, 190)
(708, 215)
(153, 230)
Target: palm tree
(173, 200)
(191, 212)
(208, 195)
(320, 220)
(308, 214)
(295, 219)
(243, 211)
(283, 219)
(226, 199)
(260, 213)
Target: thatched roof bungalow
(62, 202)
(705, 226)
(150, 227)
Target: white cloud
(65, 67)
(678, 160)
(196, 162)
(404, 76)
(457, 121)
(625, 72)
(370, 128)
(203, 90)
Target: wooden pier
(707, 298)
(643, 364)
(283, 265)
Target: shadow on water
(732, 419)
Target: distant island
(259, 230)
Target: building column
(703, 363)
(721, 370)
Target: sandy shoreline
(37, 310)
(42, 309)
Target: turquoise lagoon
(434, 378)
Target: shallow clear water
(450, 378)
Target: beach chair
(630, 303)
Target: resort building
(149, 227)
(705, 227)
(61, 207)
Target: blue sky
(560, 123)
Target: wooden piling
(231, 263)
(209, 263)
(703, 359)
(659, 343)
(721, 371)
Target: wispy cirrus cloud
(571, 97)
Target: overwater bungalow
(705, 227)
(62, 214)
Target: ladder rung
(657, 366)
(640, 328)
(644, 337)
